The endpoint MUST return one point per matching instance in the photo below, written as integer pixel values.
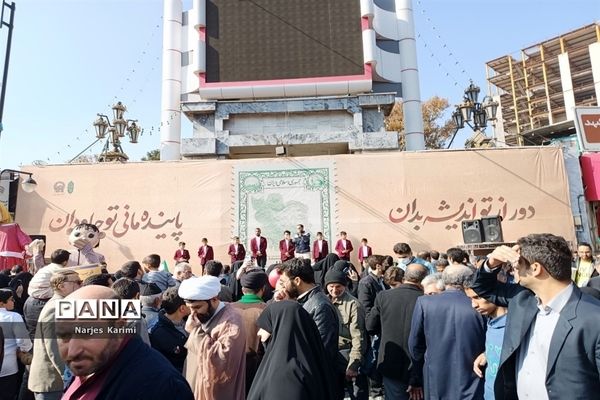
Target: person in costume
(85, 238)
(13, 242)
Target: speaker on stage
(472, 232)
(492, 229)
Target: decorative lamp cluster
(470, 110)
(116, 130)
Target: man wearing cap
(216, 363)
(250, 306)
(150, 296)
(351, 333)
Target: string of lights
(132, 87)
(444, 48)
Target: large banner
(277, 196)
(418, 198)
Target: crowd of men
(515, 325)
(298, 246)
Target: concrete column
(411, 92)
(594, 50)
(170, 115)
(498, 125)
(567, 85)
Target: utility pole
(10, 26)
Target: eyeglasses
(78, 281)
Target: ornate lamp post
(116, 130)
(476, 115)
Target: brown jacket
(250, 313)
(216, 363)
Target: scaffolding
(529, 85)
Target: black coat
(390, 318)
(574, 358)
(234, 283)
(326, 318)
(368, 287)
(295, 366)
(142, 373)
(168, 340)
(322, 267)
(21, 279)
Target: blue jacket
(168, 340)
(302, 243)
(446, 335)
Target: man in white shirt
(320, 248)
(258, 247)
(552, 337)
(364, 252)
(16, 339)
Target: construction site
(539, 87)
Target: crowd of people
(298, 246)
(515, 324)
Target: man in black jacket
(552, 336)
(112, 366)
(368, 287)
(390, 318)
(298, 279)
(372, 283)
(165, 336)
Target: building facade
(540, 90)
(265, 79)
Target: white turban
(200, 288)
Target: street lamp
(476, 115)
(28, 185)
(116, 130)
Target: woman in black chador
(294, 366)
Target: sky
(72, 59)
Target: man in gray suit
(552, 339)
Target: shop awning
(590, 170)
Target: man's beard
(203, 318)
(293, 292)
